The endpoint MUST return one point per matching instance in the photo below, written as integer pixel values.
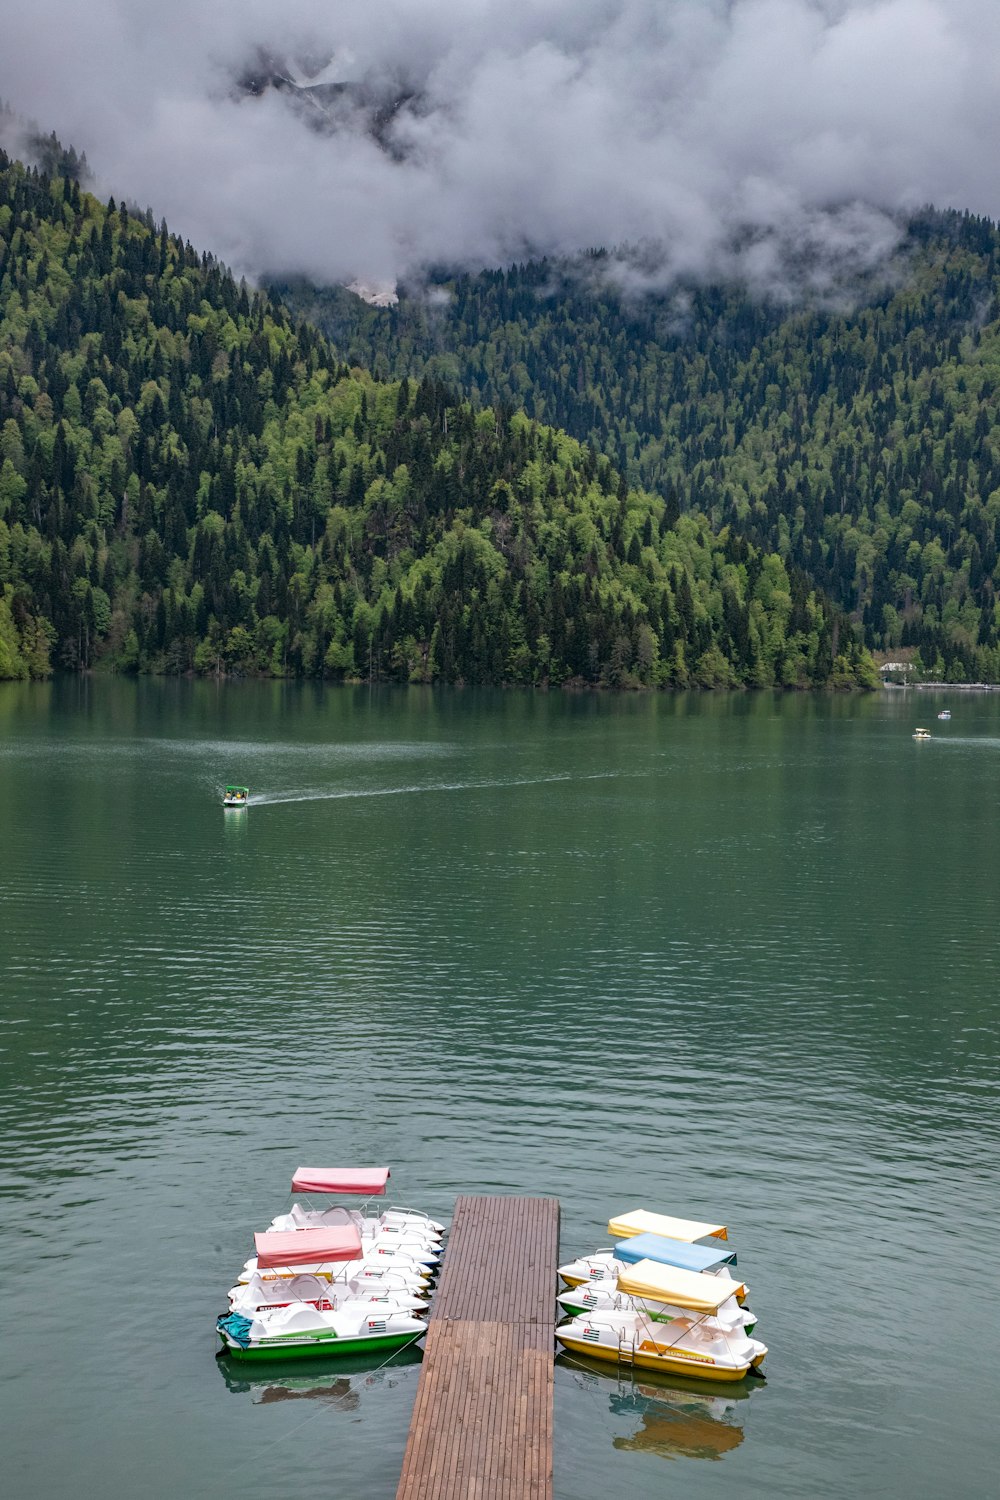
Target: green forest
(193, 481)
(862, 446)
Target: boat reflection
(235, 825)
(339, 1384)
(673, 1417)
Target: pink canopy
(369, 1182)
(306, 1247)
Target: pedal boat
(236, 796)
(420, 1245)
(258, 1295)
(600, 1291)
(604, 1297)
(301, 1328)
(607, 1265)
(387, 1226)
(366, 1183)
(308, 1250)
(706, 1342)
(300, 1331)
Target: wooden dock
(482, 1421)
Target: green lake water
(728, 957)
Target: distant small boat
(236, 796)
(945, 713)
(921, 734)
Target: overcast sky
(542, 125)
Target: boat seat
(331, 1216)
(307, 1287)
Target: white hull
(410, 1236)
(604, 1297)
(258, 1296)
(376, 1264)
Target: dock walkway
(482, 1421)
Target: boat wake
(274, 799)
(984, 741)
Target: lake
(729, 957)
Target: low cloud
(768, 133)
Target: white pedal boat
(375, 1266)
(397, 1222)
(301, 1331)
(332, 1254)
(604, 1296)
(361, 1182)
(258, 1295)
(706, 1342)
(411, 1234)
(605, 1266)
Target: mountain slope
(188, 481)
(862, 446)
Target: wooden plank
(482, 1421)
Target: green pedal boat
(301, 1331)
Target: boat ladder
(626, 1352)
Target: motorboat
(921, 734)
(236, 796)
(945, 713)
(258, 1295)
(608, 1265)
(707, 1341)
(302, 1330)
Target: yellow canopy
(691, 1289)
(641, 1221)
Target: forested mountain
(191, 481)
(862, 446)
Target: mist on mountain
(372, 141)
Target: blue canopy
(674, 1253)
